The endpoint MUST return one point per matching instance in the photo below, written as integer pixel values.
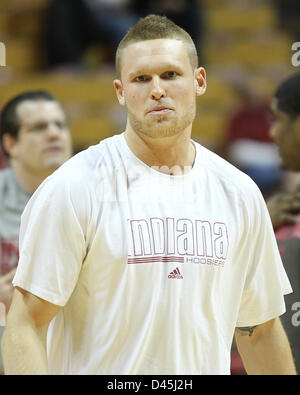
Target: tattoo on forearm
(248, 329)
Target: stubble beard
(162, 126)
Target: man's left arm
(265, 349)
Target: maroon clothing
(250, 123)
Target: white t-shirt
(154, 272)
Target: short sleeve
(266, 281)
(51, 243)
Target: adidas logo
(175, 274)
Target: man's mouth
(52, 149)
(159, 110)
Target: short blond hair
(154, 27)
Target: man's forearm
(24, 350)
(267, 350)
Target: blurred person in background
(36, 138)
(284, 207)
(248, 144)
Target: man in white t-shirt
(144, 253)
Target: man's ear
(200, 81)
(9, 144)
(119, 91)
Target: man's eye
(141, 78)
(170, 74)
(60, 124)
(38, 127)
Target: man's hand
(284, 208)
(6, 288)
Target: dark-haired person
(36, 138)
(284, 207)
(156, 249)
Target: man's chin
(162, 129)
(53, 164)
(157, 134)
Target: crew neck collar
(152, 168)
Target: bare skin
(24, 339)
(159, 88)
(43, 142)
(267, 350)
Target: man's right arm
(24, 338)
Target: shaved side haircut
(288, 96)
(154, 27)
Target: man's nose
(157, 91)
(53, 131)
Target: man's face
(44, 141)
(286, 134)
(158, 87)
